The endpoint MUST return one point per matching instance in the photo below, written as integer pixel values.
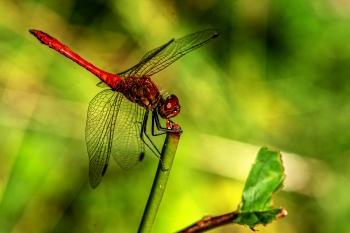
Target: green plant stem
(160, 181)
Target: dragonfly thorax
(141, 90)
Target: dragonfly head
(170, 107)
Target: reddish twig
(208, 222)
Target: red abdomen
(110, 79)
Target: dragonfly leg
(144, 132)
(156, 122)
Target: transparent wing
(102, 85)
(163, 56)
(144, 60)
(128, 149)
(100, 126)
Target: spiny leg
(144, 132)
(156, 122)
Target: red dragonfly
(117, 117)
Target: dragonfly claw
(163, 168)
(173, 127)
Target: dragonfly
(117, 117)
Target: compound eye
(170, 107)
(171, 103)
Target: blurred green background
(278, 76)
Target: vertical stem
(160, 181)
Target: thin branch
(209, 222)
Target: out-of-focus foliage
(278, 75)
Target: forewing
(163, 56)
(144, 60)
(128, 149)
(100, 126)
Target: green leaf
(265, 178)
